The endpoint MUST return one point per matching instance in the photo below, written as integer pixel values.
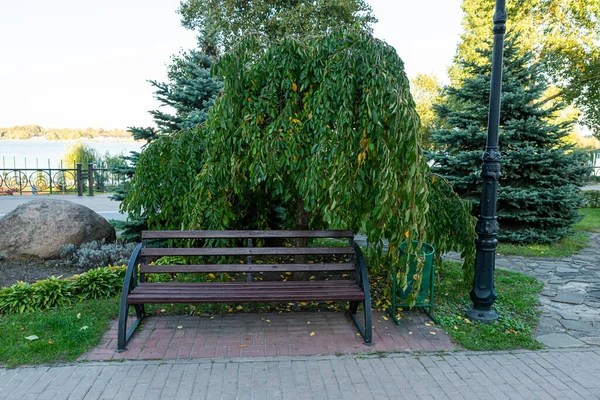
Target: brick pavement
(270, 334)
(556, 374)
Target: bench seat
(245, 292)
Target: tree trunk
(301, 224)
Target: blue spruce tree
(538, 195)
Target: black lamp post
(483, 294)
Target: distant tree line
(36, 131)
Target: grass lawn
(63, 334)
(565, 247)
(516, 306)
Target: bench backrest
(248, 238)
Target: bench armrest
(362, 278)
(130, 280)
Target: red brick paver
(270, 334)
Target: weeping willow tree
(325, 129)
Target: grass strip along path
(565, 247)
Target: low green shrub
(95, 254)
(17, 298)
(100, 283)
(592, 198)
(52, 292)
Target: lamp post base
(484, 316)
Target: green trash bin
(424, 298)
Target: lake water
(38, 153)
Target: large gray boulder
(39, 228)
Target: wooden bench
(342, 279)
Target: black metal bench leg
(124, 334)
(139, 311)
(366, 331)
(122, 327)
(368, 336)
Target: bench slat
(245, 234)
(244, 251)
(150, 269)
(239, 292)
(254, 284)
(287, 296)
(257, 285)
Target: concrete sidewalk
(557, 374)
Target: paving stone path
(570, 301)
(571, 298)
(557, 374)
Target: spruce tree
(191, 91)
(538, 195)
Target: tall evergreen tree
(538, 197)
(190, 91)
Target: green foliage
(18, 298)
(564, 35)
(54, 292)
(173, 155)
(165, 175)
(538, 195)
(565, 247)
(426, 90)
(450, 225)
(592, 198)
(221, 24)
(80, 153)
(330, 121)
(100, 283)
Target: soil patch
(30, 271)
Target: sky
(79, 64)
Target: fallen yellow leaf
(268, 320)
(384, 318)
(179, 326)
(312, 334)
(433, 333)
